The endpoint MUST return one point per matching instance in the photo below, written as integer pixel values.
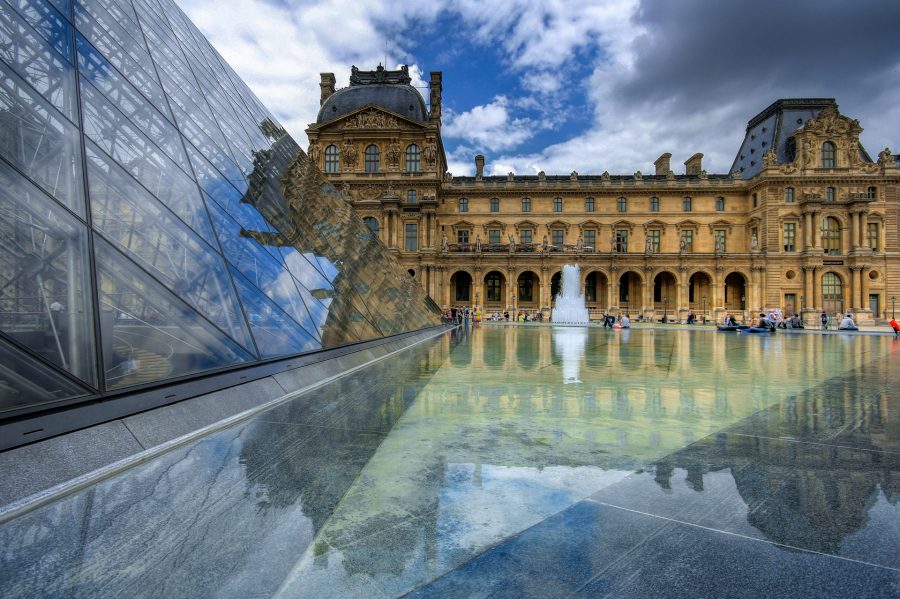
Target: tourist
(796, 323)
(466, 317)
(847, 324)
(477, 315)
(824, 319)
(896, 327)
(730, 321)
(626, 322)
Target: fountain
(570, 306)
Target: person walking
(824, 318)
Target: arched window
(526, 204)
(622, 204)
(557, 204)
(495, 204)
(332, 159)
(654, 204)
(411, 196)
(589, 205)
(828, 155)
(831, 235)
(463, 204)
(832, 292)
(373, 159)
(686, 204)
(372, 223)
(788, 195)
(412, 158)
(829, 194)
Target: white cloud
(489, 126)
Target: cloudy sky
(589, 86)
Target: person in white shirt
(626, 323)
(847, 324)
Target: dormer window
(828, 155)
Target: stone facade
(813, 228)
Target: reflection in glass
(44, 291)
(36, 138)
(167, 248)
(147, 333)
(26, 382)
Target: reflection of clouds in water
(569, 343)
(481, 504)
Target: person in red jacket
(896, 327)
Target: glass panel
(147, 333)
(276, 334)
(107, 34)
(48, 22)
(35, 137)
(121, 139)
(144, 229)
(129, 101)
(44, 289)
(37, 62)
(26, 382)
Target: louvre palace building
(805, 221)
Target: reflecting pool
(516, 461)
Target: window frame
(654, 204)
(720, 203)
(687, 204)
(411, 196)
(590, 204)
(332, 159)
(831, 237)
(789, 236)
(495, 204)
(788, 195)
(829, 155)
(557, 204)
(621, 204)
(462, 205)
(413, 158)
(372, 158)
(526, 204)
(414, 246)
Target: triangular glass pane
(305, 271)
(318, 310)
(275, 332)
(148, 334)
(138, 224)
(45, 297)
(26, 382)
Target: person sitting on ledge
(847, 324)
(730, 321)
(895, 326)
(626, 322)
(796, 323)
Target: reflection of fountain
(569, 344)
(570, 303)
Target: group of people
(462, 315)
(845, 323)
(611, 322)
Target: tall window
(872, 192)
(589, 204)
(412, 237)
(755, 200)
(830, 194)
(494, 236)
(687, 240)
(831, 235)
(790, 237)
(653, 241)
(463, 204)
(788, 195)
(462, 237)
(621, 241)
(526, 204)
(828, 155)
(557, 236)
(526, 236)
(590, 238)
(719, 236)
(495, 204)
(872, 233)
(654, 204)
(686, 204)
(622, 204)
(832, 289)
(332, 159)
(373, 159)
(557, 204)
(412, 158)
(493, 286)
(411, 196)
(372, 223)
(720, 204)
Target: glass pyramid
(156, 221)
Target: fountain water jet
(570, 306)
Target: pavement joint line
(819, 443)
(746, 537)
(40, 499)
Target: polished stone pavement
(515, 464)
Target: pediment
(654, 224)
(687, 224)
(462, 225)
(589, 224)
(623, 224)
(721, 224)
(367, 117)
(494, 224)
(558, 224)
(526, 224)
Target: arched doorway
(494, 291)
(460, 287)
(665, 299)
(700, 293)
(735, 293)
(528, 287)
(596, 287)
(832, 293)
(631, 288)
(555, 286)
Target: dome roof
(389, 89)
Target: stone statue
(770, 159)
(512, 244)
(393, 154)
(852, 154)
(682, 245)
(444, 245)
(754, 242)
(478, 244)
(885, 158)
(807, 153)
(720, 245)
(314, 153)
(648, 245)
(345, 191)
(579, 245)
(429, 153)
(544, 246)
(349, 152)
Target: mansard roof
(388, 89)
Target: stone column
(612, 290)
(864, 228)
(854, 287)
(808, 284)
(854, 230)
(807, 231)
(864, 289)
(816, 238)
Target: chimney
(327, 86)
(479, 166)
(435, 86)
(662, 164)
(692, 165)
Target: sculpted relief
(371, 119)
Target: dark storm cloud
(702, 55)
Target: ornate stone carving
(605, 176)
(371, 119)
(638, 176)
(770, 159)
(314, 153)
(885, 158)
(735, 174)
(830, 122)
(345, 191)
(430, 153)
(370, 192)
(380, 75)
(348, 151)
(393, 155)
(444, 245)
